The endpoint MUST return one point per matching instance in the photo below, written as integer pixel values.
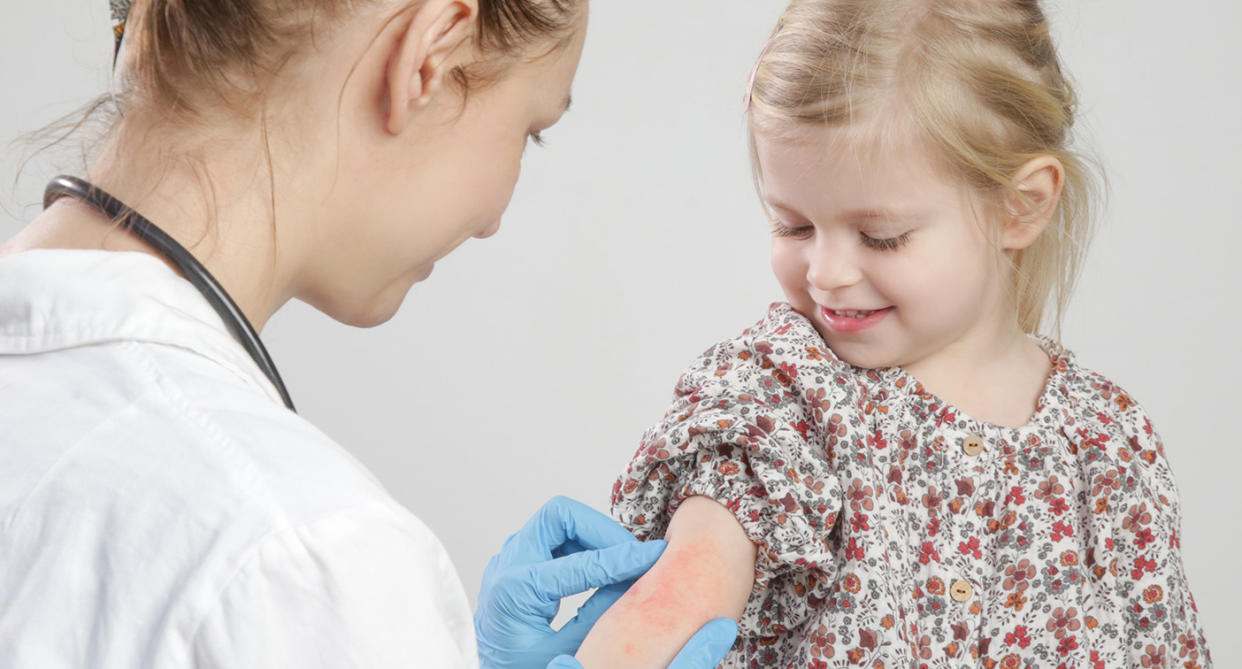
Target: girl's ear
(420, 59)
(1039, 182)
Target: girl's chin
(858, 354)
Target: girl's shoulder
(1093, 399)
(780, 351)
(782, 336)
(779, 363)
(1103, 421)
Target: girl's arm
(706, 572)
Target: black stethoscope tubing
(177, 254)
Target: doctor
(162, 505)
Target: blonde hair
(978, 80)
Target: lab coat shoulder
(152, 478)
(284, 465)
(358, 588)
(339, 573)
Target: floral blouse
(893, 530)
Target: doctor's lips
(852, 320)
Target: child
(893, 469)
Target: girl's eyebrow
(879, 215)
(864, 215)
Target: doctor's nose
(488, 231)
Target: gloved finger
(507, 555)
(564, 662)
(575, 631)
(562, 519)
(582, 571)
(708, 647)
(568, 548)
(554, 530)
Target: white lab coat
(159, 507)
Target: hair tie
(120, 13)
(750, 86)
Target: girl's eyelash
(779, 229)
(889, 244)
(536, 137)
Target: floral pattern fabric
(893, 530)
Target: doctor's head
(380, 134)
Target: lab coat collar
(53, 299)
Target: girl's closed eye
(885, 243)
(782, 229)
(536, 137)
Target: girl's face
(878, 248)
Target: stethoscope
(176, 254)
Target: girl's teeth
(855, 314)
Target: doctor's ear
(1029, 210)
(421, 57)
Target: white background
(530, 363)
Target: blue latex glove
(704, 650)
(564, 549)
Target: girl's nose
(832, 267)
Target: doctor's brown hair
(181, 57)
(189, 52)
(978, 81)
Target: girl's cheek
(939, 287)
(787, 263)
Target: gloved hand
(564, 549)
(704, 650)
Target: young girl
(893, 469)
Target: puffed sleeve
(748, 428)
(365, 587)
(1161, 618)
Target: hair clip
(750, 86)
(120, 14)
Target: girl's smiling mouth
(852, 320)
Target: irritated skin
(706, 572)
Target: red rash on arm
(706, 572)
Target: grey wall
(531, 362)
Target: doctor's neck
(218, 206)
